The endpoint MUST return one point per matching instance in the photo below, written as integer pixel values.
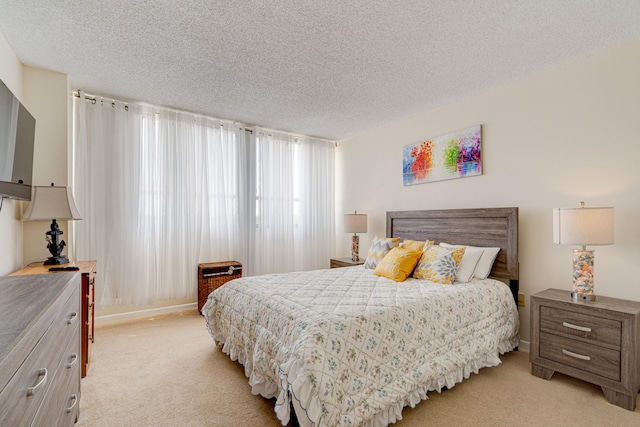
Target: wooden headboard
(487, 227)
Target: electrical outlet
(521, 302)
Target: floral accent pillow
(379, 248)
(485, 264)
(439, 264)
(469, 261)
(398, 264)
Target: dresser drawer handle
(73, 361)
(576, 327)
(75, 402)
(576, 355)
(32, 391)
(73, 318)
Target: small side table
(87, 270)
(595, 341)
(345, 262)
(212, 275)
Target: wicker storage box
(212, 275)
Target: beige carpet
(166, 371)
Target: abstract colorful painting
(453, 155)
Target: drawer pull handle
(73, 318)
(576, 355)
(32, 391)
(576, 327)
(229, 272)
(75, 402)
(73, 361)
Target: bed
(345, 347)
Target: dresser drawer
(61, 406)
(67, 384)
(594, 329)
(39, 369)
(581, 355)
(71, 408)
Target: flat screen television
(17, 136)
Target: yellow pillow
(415, 245)
(439, 264)
(397, 264)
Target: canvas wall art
(453, 155)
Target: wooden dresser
(595, 341)
(88, 271)
(40, 350)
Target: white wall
(47, 98)
(10, 224)
(46, 95)
(548, 141)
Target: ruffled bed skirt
(296, 392)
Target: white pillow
(469, 261)
(484, 264)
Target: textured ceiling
(327, 68)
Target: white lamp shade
(583, 226)
(48, 203)
(355, 223)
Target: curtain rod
(246, 128)
(94, 99)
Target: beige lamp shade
(51, 202)
(583, 226)
(355, 223)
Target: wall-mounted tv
(17, 136)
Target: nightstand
(595, 341)
(212, 275)
(345, 262)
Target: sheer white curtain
(161, 191)
(295, 202)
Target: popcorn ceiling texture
(331, 68)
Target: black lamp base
(55, 260)
(55, 247)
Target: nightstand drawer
(587, 357)
(595, 329)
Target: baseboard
(101, 320)
(524, 346)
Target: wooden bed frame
(486, 227)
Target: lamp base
(55, 260)
(583, 275)
(355, 248)
(55, 247)
(577, 296)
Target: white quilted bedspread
(348, 348)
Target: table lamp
(583, 226)
(355, 223)
(52, 204)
